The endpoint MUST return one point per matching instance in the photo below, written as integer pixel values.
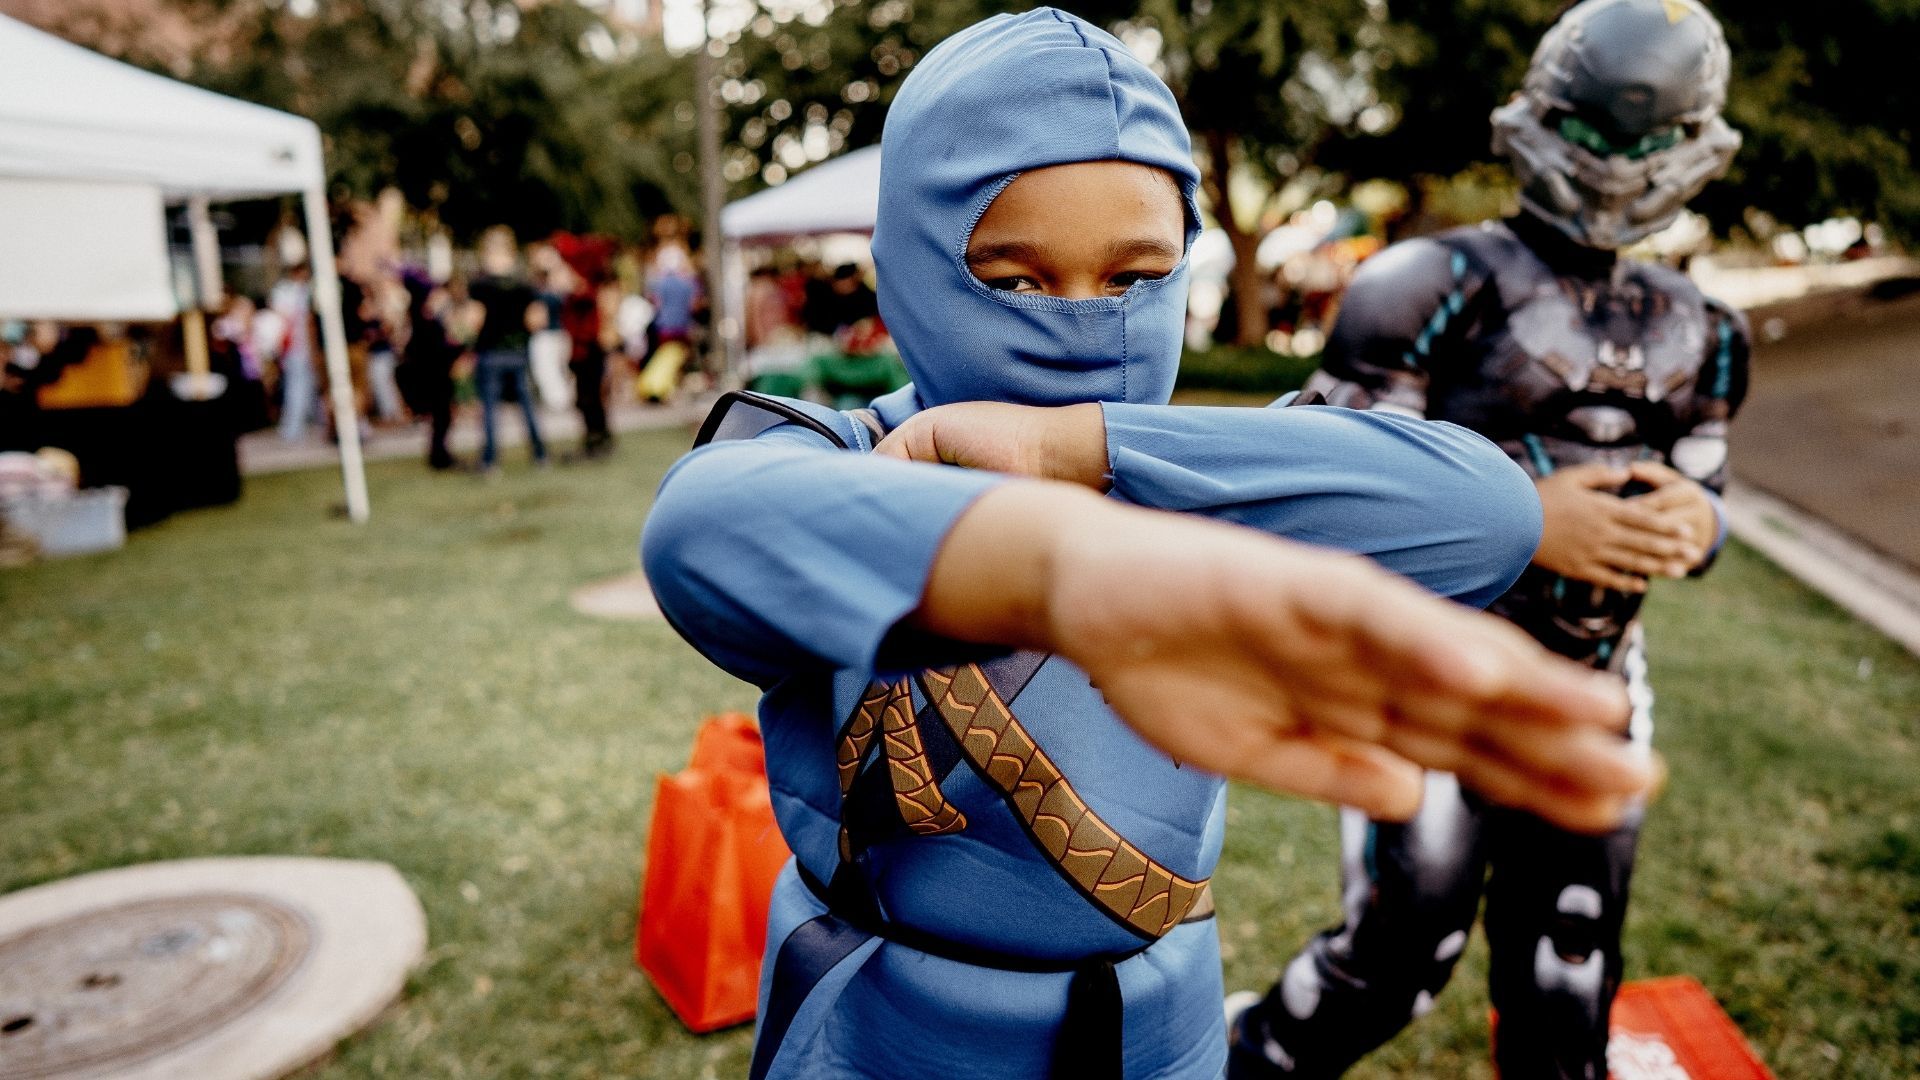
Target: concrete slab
(202, 969)
(627, 597)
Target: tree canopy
(1828, 123)
(538, 117)
(545, 115)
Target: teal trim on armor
(1542, 464)
(1436, 325)
(1723, 362)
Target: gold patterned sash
(1111, 872)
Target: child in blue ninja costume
(997, 708)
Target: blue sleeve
(780, 554)
(1431, 501)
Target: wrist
(1710, 527)
(1074, 446)
(995, 579)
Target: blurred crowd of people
(811, 332)
(556, 323)
(567, 322)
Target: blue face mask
(1011, 94)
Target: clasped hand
(1592, 534)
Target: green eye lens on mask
(1589, 138)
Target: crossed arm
(1294, 667)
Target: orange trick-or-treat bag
(1671, 1028)
(712, 856)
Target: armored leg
(1555, 905)
(1411, 892)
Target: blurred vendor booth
(108, 355)
(810, 326)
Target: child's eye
(1013, 284)
(1121, 282)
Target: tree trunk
(1249, 288)
(1245, 283)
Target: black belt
(1089, 1044)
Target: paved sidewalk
(1832, 424)
(1827, 449)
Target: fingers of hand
(1577, 758)
(1338, 770)
(1641, 516)
(1594, 475)
(1532, 684)
(908, 442)
(1609, 578)
(1396, 637)
(1653, 472)
(1662, 547)
(1510, 785)
(1641, 565)
(1579, 811)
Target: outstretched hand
(1287, 666)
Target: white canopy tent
(91, 146)
(840, 195)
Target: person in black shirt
(426, 369)
(509, 312)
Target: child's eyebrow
(1012, 250)
(1118, 251)
(1141, 247)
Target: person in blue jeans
(510, 313)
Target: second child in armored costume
(1611, 381)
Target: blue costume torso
(790, 559)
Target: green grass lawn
(268, 679)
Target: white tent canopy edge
(70, 114)
(839, 195)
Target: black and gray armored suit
(1561, 354)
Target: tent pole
(333, 331)
(208, 288)
(733, 332)
(713, 196)
(210, 292)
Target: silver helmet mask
(1618, 123)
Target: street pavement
(265, 452)
(1832, 423)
